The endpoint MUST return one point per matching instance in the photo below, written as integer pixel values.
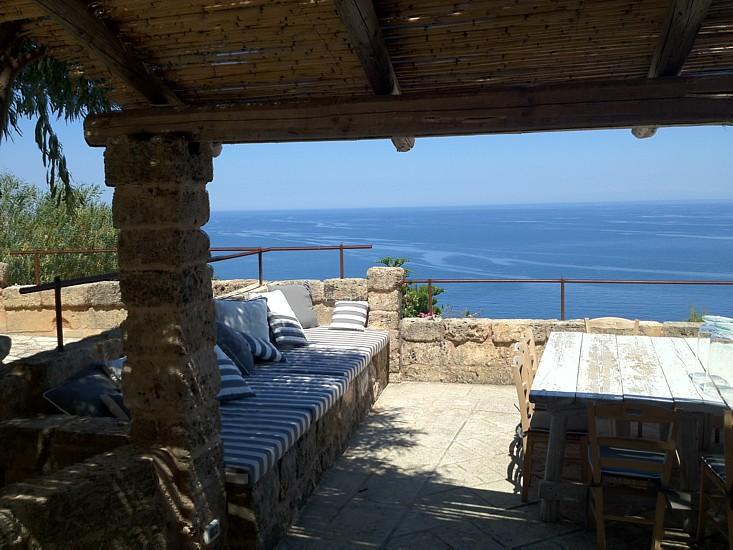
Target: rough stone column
(384, 293)
(171, 379)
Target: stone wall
(44, 445)
(86, 308)
(113, 500)
(479, 350)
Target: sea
(652, 240)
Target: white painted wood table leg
(549, 508)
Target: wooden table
(578, 369)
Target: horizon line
(491, 205)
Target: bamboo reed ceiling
(252, 50)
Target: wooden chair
(612, 325)
(716, 472)
(631, 466)
(534, 429)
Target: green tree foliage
(414, 297)
(36, 86)
(33, 219)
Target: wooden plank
(641, 374)
(557, 374)
(676, 40)
(599, 375)
(512, 109)
(365, 35)
(674, 362)
(98, 39)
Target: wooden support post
(676, 40)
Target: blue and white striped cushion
(263, 349)
(349, 315)
(286, 330)
(233, 384)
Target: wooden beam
(676, 40)
(365, 34)
(93, 34)
(569, 106)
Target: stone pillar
(384, 293)
(171, 379)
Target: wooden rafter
(676, 40)
(365, 34)
(568, 106)
(93, 34)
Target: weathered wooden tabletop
(578, 369)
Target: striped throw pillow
(349, 315)
(284, 325)
(233, 384)
(263, 349)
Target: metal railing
(38, 253)
(239, 252)
(562, 282)
(244, 251)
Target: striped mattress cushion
(291, 396)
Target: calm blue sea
(693, 240)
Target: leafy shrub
(696, 316)
(414, 297)
(34, 219)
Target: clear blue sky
(678, 163)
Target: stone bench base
(259, 515)
(38, 446)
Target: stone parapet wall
(480, 350)
(92, 307)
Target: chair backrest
(659, 435)
(524, 368)
(612, 325)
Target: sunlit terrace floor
(435, 466)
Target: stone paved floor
(27, 344)
(431, 468)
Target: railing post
(259, 266)
(430, 297)
(341, 261)
(562, 299)
(59, 318)
(37, 266)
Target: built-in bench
(277, 444)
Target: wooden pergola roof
(328, 54)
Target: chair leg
(659, 522)
(598, 512)
(702, 505)
(527, 466)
